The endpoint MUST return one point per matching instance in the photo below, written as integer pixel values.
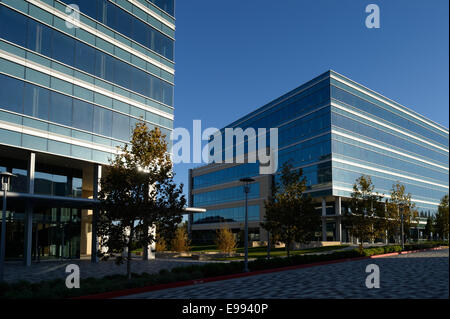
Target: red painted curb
(132, 291)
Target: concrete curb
(133, 291)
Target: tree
(290, 213)
(442, 221)
(160, 243)
(137, 193)
(180, 242)
(225, 240)
(429, 227)
(367, 214)
(400, 203)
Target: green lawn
(259, 252)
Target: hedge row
(56, 289)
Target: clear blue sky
(234, 56)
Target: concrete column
(147, 251)
(338, 219)
(95, 183)
(324, 220)
(190, 204)
(28, 240)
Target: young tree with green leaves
(442, 221)
(366, 216)
(290, 213)
(138, 192)
(400, 204)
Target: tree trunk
(129, 254)
(288, 248)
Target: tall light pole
(246, 181)
(5, 186)
(403, 237)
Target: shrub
(225, 240)
(181, 242)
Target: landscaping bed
(56, 289)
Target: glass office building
(74, 81)
(335, 130)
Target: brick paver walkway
(416, 275)
(47, 270)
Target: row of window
(125, 23)
(388, 162)
(29, 99)
(166, 5)
(226, 175)
(380, 135)
(346, 175)
(65, 49)
(310, 125)
(316, 175)
(46, 183)
(371, 108)
(227, 215)
(230, 194)
(311, 151)
(47, 145)
(291, 108)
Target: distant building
(335, 130)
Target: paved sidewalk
(415, 275)
(48, 270)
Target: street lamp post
(5, 185)
(403, 237)
(246, 181)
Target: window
(11, 93)
(60, 109)
(36, 101)
(16, 34)
(122, 73)
(84, 57)
(104, 66)
(167, 93)
(121, 127)
(82, 115)
(102, 121)
(63, 48)
(39, 38)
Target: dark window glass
(84, 57)
(123, 21)
(36, 101)
(11, 94)
(39, 38)
(88, 7)
(82, 115)
(60, 109)
(167, 93)
(141, 83)
(122, 73)
(102, 121)
(12, 26)
(104, 66)
(166, 5)
(121, 124)
(141, 33)
(63, 48)
(156, 89)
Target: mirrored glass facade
(75, 78)
(336, 130)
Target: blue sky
(234, 56)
